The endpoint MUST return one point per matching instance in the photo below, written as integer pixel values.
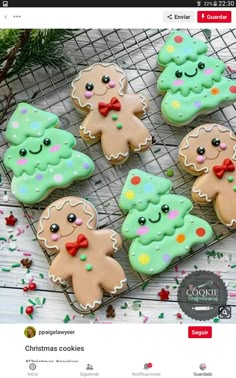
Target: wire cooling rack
(135, 51)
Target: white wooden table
(136, 52)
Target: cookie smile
(70, 233)
(156, 220)
(101, 94)
(215, 157)
(195, 73)
(36, 152)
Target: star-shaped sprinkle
(10, 220)
(164, 294)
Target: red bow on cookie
(81, 242)
(104, 108)
(227, 166)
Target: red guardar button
(200, 332)
(214, 16)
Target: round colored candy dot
(178, 39)
(89, 267)
(175, 104)
(215, 91)
(233, 89)
(144, 259)
(135, 180)
(179, 315)
(23, 111)
(197, 104)
(148, 188)
(200, 231)
(119, 126)
(166, 258)
(180, 238)
(114, 117)
(35, 125)
(170, 48)
(129, 195)
(15, 124)
(58, 178)
(39, 177)
(83, 257)
(234, 188)
(29, 310)
(32, 286)
(230, 178)
(170, 172)
(25, 288)
(86, 165)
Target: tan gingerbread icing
(99, 91)
(68, 227)
(209, 151)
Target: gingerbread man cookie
(159, 223)
(68, 227)
(192, 83)
(209, 151)
(99, 91)
(42, 157)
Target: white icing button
(75, 173)
(133, 254)
(9, 157)
(37, 189)
(157, 248)
(66, 142)
(126, 229)
(191, 221)
(151, 270)
(159, 233)
(187, 248)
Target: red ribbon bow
(81, 242)
(227, 166)
(104, 108)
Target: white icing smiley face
(97, 83)
(156, 221)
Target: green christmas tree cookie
(164, 228)
(192, 83)
(41, 157)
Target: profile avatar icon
(202, 366)
(30, 332)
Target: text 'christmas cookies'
(159, 223)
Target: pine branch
(13, 53)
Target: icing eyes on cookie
(142, 221)
(54, 227)
(23, 152)
(105, 79)
(71, 217)
(89, 86)
(165, 209)
(201, 65)
(46, 141)
(201, 150)
(178, 73)
(215, 142)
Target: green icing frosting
(42, 163)
(140, 188)
(192, 83)
(180, 47)
(29, 121)
(162, 228)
